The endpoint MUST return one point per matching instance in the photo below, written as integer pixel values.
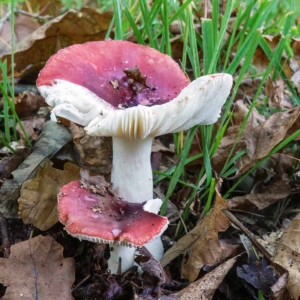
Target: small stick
(35, 16)
(81, 282)
(4, 237)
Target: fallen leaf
(44, 7)
(296, 80)
(206, 250)
(205, 287)
(32, 127)
(9, 163)
(38, 200)
(268, 194)
(94, 151)
(202, 240)
(274, 90)
(157, 146)
(240, 112)
(261, 140)
(73, 27)
(295, 61)
(27, 103)
(261, 61)
(152, 266)
(23, 26)
(36, 269)
(288, 256)
(53, 138)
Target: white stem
(131, 170)
(132, 180)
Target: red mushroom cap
(100, 67)
(105, 218)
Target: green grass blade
(220, 37)
(208, 45)
(132, 24)
(118, 19)
(179, 168)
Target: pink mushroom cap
(96, 66)
(106, 218)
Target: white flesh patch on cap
(153, 205)
(74, 102)
(198, 103)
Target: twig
(81, 282)
(4, 237)
(35, 16)
(248, 233)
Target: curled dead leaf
(38, 201)
(73, 27)
(202, 242)
(268, 194)
(261, 140)
(205, 287)
(288, 256)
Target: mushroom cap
(198, 103)
(100, 69)
(125, 90)
(105, 218)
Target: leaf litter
(198, 265)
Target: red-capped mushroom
(106, 218)
(132, 93)
(97, 215)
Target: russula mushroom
(97, 215)
(132, 93)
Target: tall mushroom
(132, 93)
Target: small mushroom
(105, 218)
(132, 93)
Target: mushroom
(132, 93)
(95, 214)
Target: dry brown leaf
(288, 256)
(70, 28)
(264, 138)
(36, 269)
(227, 142)
(295, 61)
(23, 26)
(32, 127)
(274, 90)
(266, 195)
(10, 162)
(93, 150)
(205, 287)
(261, 61)
(203, 242)
(38, 201)
(157, 146)
(296, 80)
(206, 250)
(240, 113)
(27, 103)
(43, 7)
